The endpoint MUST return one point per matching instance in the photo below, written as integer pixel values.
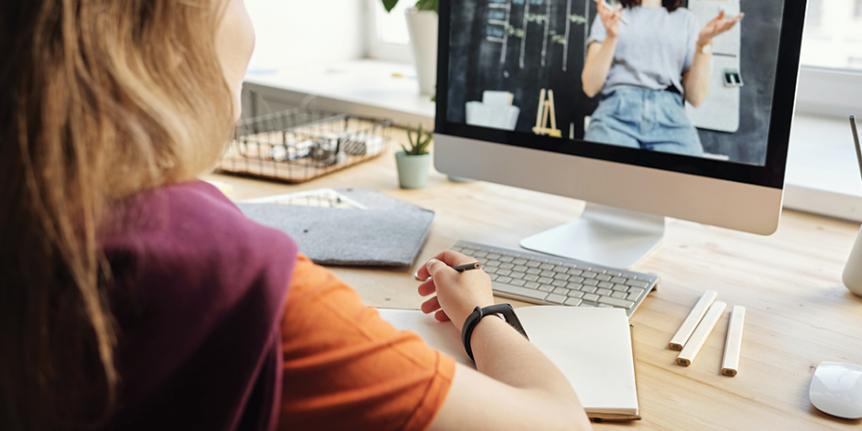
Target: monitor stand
(602, 235)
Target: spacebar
(520, 291)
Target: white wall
(292, 33)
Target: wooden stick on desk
(692, 347)
(733, 342)
(687, 328)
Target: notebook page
(592, 347)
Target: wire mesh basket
(299, 145)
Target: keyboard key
(576, 294)
(575, 271)
(533, 264)
(560, 276)
(504, 272)
(622, 303)
(638, 283)
(546, 288)
(536, 271)
(549, 274)
(577, 279)
(518, 283)
(591, 282)
(620, 295)
(574, 302)
(530, 277)
(491, 263)
(491, 269)
(545, 280)
(603, 277)
(546, 266)
(589, 289)
(603, 285)
(507, 265)
(591, 297)
(559, 283)
(531, 285)
(601, 292)
(621, 288)
(517, 275)
(519, 261)
(556, 299)
(619, 280)
(576, 286)
(561, 268)
(506, 258)
(633, 296)
(561, 291)
(504, 280)
(480, 254)
(637, 290)
(493, 256)
(520, 291)
(520, 268)
(590, 274)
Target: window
(833, 34)
(830, 82)
(388, 38)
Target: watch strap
(479, 313)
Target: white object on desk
(698, 339)
(853, 269)
(591, 346)
(836, 389)
(733, 342)
(694, 317)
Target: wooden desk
(798, 312)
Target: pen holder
(853, 269)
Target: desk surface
(798, 312)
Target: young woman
(137, 297)
(646, 60)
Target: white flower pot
(422, 26)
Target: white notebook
(591, 346)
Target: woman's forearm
(505, 355)
(600, 57)
(696, 81)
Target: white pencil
(733, 342)
(698, 339)
(687, 328)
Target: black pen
(459, 268)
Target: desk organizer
(295, 146)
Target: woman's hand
(610, 18)
(717, 26)
(457, 293)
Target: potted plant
(414, 162)
(422, 26)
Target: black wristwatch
(478, 313)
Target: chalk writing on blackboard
(500, 28)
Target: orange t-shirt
(346, 368)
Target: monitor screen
(687, 79)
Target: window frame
(379, 49)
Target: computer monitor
(638, 116)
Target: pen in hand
(458, 268)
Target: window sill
(822, 174)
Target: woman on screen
(646, 60)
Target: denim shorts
(652, 120)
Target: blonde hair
(101, 99)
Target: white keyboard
(541, 279)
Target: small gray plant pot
(412, 170)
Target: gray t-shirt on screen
(654, 49)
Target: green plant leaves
(389, 4)
(419, 141)
(430, 5)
